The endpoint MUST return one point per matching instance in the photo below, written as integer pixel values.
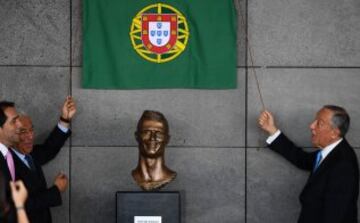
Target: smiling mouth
(153, 146)
(27, 145)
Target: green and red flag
(148, 44)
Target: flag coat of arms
(150, 44)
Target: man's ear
(336, 133)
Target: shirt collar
(329, 148)
(4, 150)
(20, 155)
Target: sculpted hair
(154, 116)
(4, 105)
(340, 119)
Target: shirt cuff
(62, 128)
(272, 138)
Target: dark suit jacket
(5, 173)
(41, 198)
(331, 192)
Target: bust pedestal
(148, 207)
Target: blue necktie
(30, 162)
(317, 161)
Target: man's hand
(68, 111)
(18, 193)
(61, 182)
(267, 123)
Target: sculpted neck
(151, 168)
(151, 173)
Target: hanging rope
(243, 27)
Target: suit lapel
(29, 177)
(4, 168)
(20, 167)
(331, 158)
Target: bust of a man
(152, 135)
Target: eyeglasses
(149, 134)
(23, 131)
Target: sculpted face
(26, 134)
(152, 139)
(322, 131)
(10, 130)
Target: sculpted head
(152, 134)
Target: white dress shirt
(324, 152)
(21, 157)
(4, 150)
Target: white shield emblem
(159, 33)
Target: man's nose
(152, 135)
(31, 135)
(312, 125)
(18, 123)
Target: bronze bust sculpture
(152, 135)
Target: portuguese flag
(148, 44)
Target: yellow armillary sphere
(159, 33)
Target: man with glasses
(152, 136)
(30, 158)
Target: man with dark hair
(9, 124)
(29, 159)
(152, 136)
(9, 136)
(331, 192)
